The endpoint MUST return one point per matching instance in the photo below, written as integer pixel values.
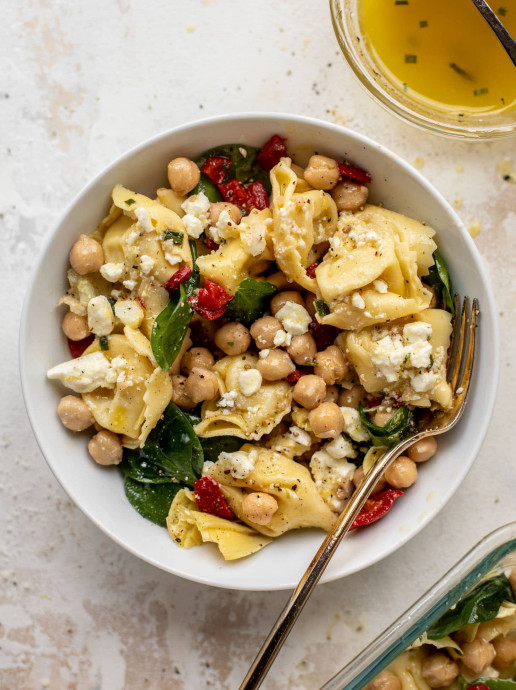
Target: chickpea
(263, 331)
(332, 394)
(439, 670)
(385, 681)
(196, 357)
(179, 395)
(478, 655)
(349, 196)
(277, 365)
(331, 365)
(423, 450)
(282, 298)
(216, 209)
(302, 348)
(310, 304)
(201, 384)
(259, 507)
(86, 255)
(279, 279)
(381, 418)
(309, 391)
(350, 397)
(505, 648)
(358, 475)
(402, 473)
(74, 413)
(322, 172)
(75, 327)
(233, 338)
(183, 175)
(326, 420)
(105, 448)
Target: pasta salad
(246, 343)
(473, 645)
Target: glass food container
(356, 48)
(494, 555)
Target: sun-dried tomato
(77, 347)
(271, 152)
(323, 334)
(257, 196)
(177, 278)
(216, 168)
(355, 174)
(210, 499)
(210, 301)
(376, 507)
(296, 375)
(310, 270)
(235, 193)
(211, 244)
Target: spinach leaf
(170, 328)
(250, 301)
(194, 280)
(397, 427)
(479, 606)
(439, 279)
(212, 447)
(491, 683)
(206, 186)
(243, 165)
(152, 501)
(321, 307)
(141, 469)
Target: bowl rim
(397, 107)
(288, 118)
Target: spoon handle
(496, 25)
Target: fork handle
(312, 575)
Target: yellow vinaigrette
(443, 51)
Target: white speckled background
(82, 82)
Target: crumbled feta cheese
(380, 286)
(300, 436)
(357, 301)
(242, 152)
(132, 237)
(249, 381)
(333, 478)
(129, 312)
(112, 271)
(253, 238)
(417, 330)
(144, 218)
(392, 352)
(228, 399)
(193, 226)
(172, 260)
(239, 464)
(196, 209)
(423, 382)
(83, 374)
(100, 316)
(117, 370)
(281, 338)
(129, 284)
(294, 318)
(208, 464)
(264, 353)
(352, 424)
(339, 448)
(146, 264)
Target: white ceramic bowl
(99, 491)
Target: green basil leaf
(491, 683)
(321, 307)
(104, 343)
(170, 328)
(396, 428)
(140, 468)
(439, 279)
(176, 237)
(194, 280)
(213, 447)
(152, 501)
(250, 301)
(206, 186)
(243, 163)
(481, 605)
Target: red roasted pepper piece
(376, 507)
(323, 334)
(211, 244)
(310, 270)
(210, 499)
(258, 197)
(271, 152)
(210, 301)
(478, 686)
(374, 402)
(235, 193)
(216, 168)
(77, 347)
(296, 375)
(177, 278)
(355, 174)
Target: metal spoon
(496, 25)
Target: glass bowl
(345, 16)
(494, 555)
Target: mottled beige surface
(81, 82)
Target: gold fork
(462, 353)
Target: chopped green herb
(112, 302)
(461, 71)
(321, 307)
(502, 11)
(129, 202)
(431, 362)
(411, 59)
(310, 364)
(406, 359)
(176, 237)
(230, 343)
(481, 92)
(103, 342)
(423, 24)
